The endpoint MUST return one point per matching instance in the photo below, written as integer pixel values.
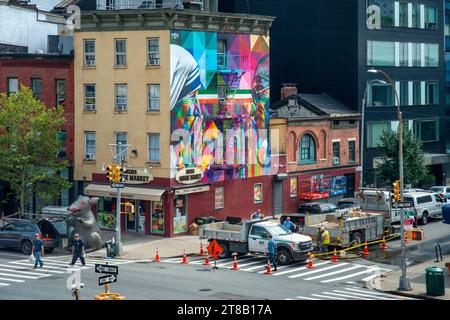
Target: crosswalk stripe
(365, 295)
(349, 276)
(249, 264)
(334, 272)
(172, 260)
(319, 270)
(253, 268)
(327, 297)
(372, 292)
(278, 268)
(64, 263)
(12, 280)
(20, 272)
(45, 265)
(22, 267)
(344, 295)
(19, 276)
(306, 298)
(371, 277)
(4, 284)
(300, 268)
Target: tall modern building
(328, 46)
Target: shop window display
(157, 217)
(180, 218)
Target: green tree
(29, 147)
(415, 171)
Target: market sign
(191, 190)
(137, 176)
(189, 175)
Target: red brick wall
(49, 70)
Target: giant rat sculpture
(81, 220)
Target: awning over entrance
(102, 190)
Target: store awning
(102, 190)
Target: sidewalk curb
(410, 295)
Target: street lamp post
(405, 283)
(361, 148)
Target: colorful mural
(219, 100)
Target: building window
(426, 130)
(62, 138)
(416, 55)
(375, 131)
(36, 86)
(221, 53)
(60, 92)
(121, 141)
(89, 97)
(110, 5)
(404, 93)
(89, 53)
(387, 11)
(403, 14)
(89, 146)
(153, 97)
(336, 153)
(120, 53)
(13, 86)
(415, 15)
(431, 55)
(121, 91)
(403, 54)
(380, 95)
(351, 151)
(432, 92)
(153, 51)
(307, 149)
(417, 93)
(153, 147)
(431, 14)
(381, 53)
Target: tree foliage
(415, 172)
(29, 146)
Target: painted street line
(19, 276)
(300, 268)
(374, 292)
(327, 297)
(22, 272)
(306, 298)
(23, 268)
(319, 270)
(365, 295)
(12, 280)
(335, 272)
(344, 295)
(350, 275)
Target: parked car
(347, 203)
(425, 205)
(442, 190)
(18, 234)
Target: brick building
(319, 149)
(50, 76)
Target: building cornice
(174, 19)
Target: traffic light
(110, 172)
(118, 174)
(396, 185)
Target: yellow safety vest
(326, 237)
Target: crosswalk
(19, 271)
(350, 293)
(322, 271)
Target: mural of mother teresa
(198, 116)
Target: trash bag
(31, 258)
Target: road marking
(298, 269)
(350, 276)
(172, 260)
(327, 297)
(22, 272)
(372, 292)
(335, 272)
(249, 264)
(372, 276)
(306, 298)
(19, 276)
(4, 284)
(365, 295)
(319, 270)
(278, 268)
(22, 267)
(12, 255)
(253, 268)
(45, 265)
(65, 263)
(12, 280)
(344, 295)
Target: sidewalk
(143, 247)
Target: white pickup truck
(251, 236)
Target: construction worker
(325, 239)
(288, 224)
(256, 215)
(272, 250)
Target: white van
(425, 205)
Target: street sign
(403, 205)
(117, 185)
(104, 268)
(215, 249)
(107, 279)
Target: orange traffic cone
(383, 244)
(366, 250)
(310, 264)
(335, 258)
(157, 255)
(201, 250)
(268, 271)
(184, 257)
(206, 263)
(235, 267)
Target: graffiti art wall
(219, 100)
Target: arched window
(307, 149)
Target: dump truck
(374, 219)
(251, 236)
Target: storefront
(142, 208)
(180, 202)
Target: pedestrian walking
(37, 250)
(325, 239)
(288, 224)
(78, 250)
(272, 249)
